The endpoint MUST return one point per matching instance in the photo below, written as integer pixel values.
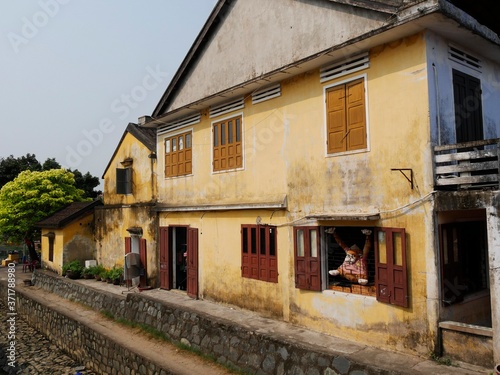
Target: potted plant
(115, 274)
(73, 269)
(104, 275)
(97, 270)
(87, 273)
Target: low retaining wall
(231, 344)
(95, 351)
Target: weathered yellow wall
(285, 155)
(143, 182)
(121, 212)
(111, 230)
(74, 241)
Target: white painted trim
(344, 67)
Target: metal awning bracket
(404, 172)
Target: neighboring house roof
(397, 15)
(146, 136)
(68, 214)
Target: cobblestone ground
(35, 354)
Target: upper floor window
(259, 257)
(178, 155)
(124, 180)
(227, 144)
(346, 117)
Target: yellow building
(314, 164)
(68, 235)
(125, 223)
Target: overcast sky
(74, 73)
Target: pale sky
(74, 73)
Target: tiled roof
(68, 214)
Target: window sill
(345, 153)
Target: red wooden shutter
(192, 263)
(144, 261)
(307, 258)
(164, 260)
(245, 252)
(128, 245)
(390, 266)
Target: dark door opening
(179, 259)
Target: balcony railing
(468, 165)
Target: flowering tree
(31, 197)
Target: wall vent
(266, 93)
(227, 107)
(344, 67)
(185, 121)
(464, 58)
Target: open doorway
(465, 289)
(179, 259)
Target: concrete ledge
(467, 328)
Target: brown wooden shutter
(355, 111)
(336, 119)
(390, 266)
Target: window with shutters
(123, 180)
(307, 258)
(468, 107)
(227, 144)
(319, 250)
(178, 155)
(346, 117)
(390, 262)
(259, 257)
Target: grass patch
(441, 360)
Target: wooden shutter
(336, 119)
(228, 146)
(128, 245)
(346, 117)
(165, 279)
(192, 263)
(356, 113)
(123, 180)
(249, 251)
(468, 107)
(390, 266)
(144, 261)
(307, 258)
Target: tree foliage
(10, 168)
(32, 196)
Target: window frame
(186, 153)
(124, 180)
(255, 265)
(218, 146)
(330, 87)
(309, 269)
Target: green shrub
(74, 267)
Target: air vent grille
(344, 67)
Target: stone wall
(229, 343)
(95, 351)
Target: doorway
(179, 259)
(465, 289)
